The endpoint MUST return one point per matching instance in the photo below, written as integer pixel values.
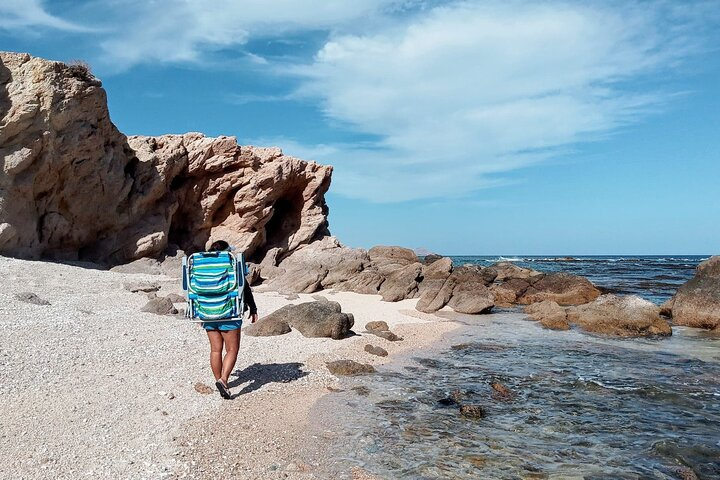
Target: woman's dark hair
(219, 246)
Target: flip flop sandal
(224, 392)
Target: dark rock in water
(349, 368)
(447, 402)
(143, 286)
(480, 347)
(312, 319)
(269, 326)
(29, 297)
(697, 302)
(624, 316)
(361, 390)
(377, 326)
(501, 389)
(160, 306)
(373, 350)
(472, 411)
(390, 336)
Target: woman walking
(226, 334)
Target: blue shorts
(223, 326)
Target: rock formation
(697, 302)
(621, 315)
(73, 187)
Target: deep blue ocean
(655, 278)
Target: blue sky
(513, 127)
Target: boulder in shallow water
(697, 302)
(470, 294)
(549, 314)
(624, 316)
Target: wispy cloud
(469, 91)
(23, 15)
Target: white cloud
(183, 30)
(472, 90)
(455, 94)
(26, 14)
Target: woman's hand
(253, 317)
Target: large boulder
(697, 302)
(562, 288)
(401, 283)
(470, 293)
(388, 259)
(549, 314)
(433, 296)
(312, 319)
(322, 264)
(73, 187)
(624, 316)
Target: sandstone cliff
(73, 187)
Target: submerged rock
(625, 316)
(697, 302)
(472, 411)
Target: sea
(575, 406)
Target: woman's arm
(250, 300)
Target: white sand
(90, 386)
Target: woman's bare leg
(232, 345)
(216, 348)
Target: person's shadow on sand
(258, 375)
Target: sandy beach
(90, 385)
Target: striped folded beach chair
(214, 282)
